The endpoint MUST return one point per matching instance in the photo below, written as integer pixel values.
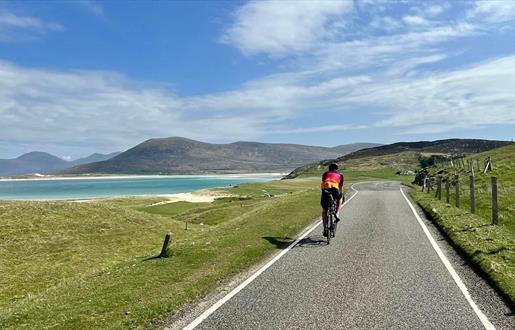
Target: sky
(78, 77)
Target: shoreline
(206, 195)
(201, 195)
(150, 176)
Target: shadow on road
(279, 242)
(283, 242)
(312, 241)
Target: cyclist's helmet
(333, 167)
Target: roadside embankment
(491, 248)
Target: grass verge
(491, 248)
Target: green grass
(89, 265)
(492, 248)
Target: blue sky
(78, 77)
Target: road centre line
(482, 317)
(249, 280)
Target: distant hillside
(401, 155)
(96, 157)
(449, 146)
(32, 162)
(184, 156)
(42, 162)
(348, 148)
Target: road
(380, 271)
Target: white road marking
(482, 317)
(240, 287)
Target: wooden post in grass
(447, 190)
(425, 184)
(166, 245)
(439, 188)
(472, 195)
(478, 166)
(495, 208)
(457, 177)
(488, 165)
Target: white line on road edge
(482, 317)
(231, 294)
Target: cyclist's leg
(324, 204)
(324, 218)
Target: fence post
(447, 188)
(472, 195)
(166, 245)
(495, 208)
(457, 177)
(439, 188)
(478, 167)
(425, 183)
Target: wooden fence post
(478, 167)
(439, 188)
(457, 177)
(166, 245)
(447, 190)
(425, 183)
(472, 195)
(495, 208)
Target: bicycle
(330, 226)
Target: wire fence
(469, 184)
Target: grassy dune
(89, 265)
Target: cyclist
(332, 184)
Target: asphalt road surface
(380, 271)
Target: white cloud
(386, 23)
(415, 20)
(279, 28)
(435, 10)
(494, 12)
(11, 26)
(476, 96)
(92, 6)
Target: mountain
(348, 148)
(32, 162)
(42, 162)
(178, 155)
(401, 155)
(449, 146)
(96, 157)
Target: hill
(96, 157)
(178, 155)
(348, 148)
(32, 162)
(401, 156)
(42, 162)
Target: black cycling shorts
(325, 201)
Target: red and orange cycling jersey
(331, 180)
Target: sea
(101, 187)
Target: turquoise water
(46, 189)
